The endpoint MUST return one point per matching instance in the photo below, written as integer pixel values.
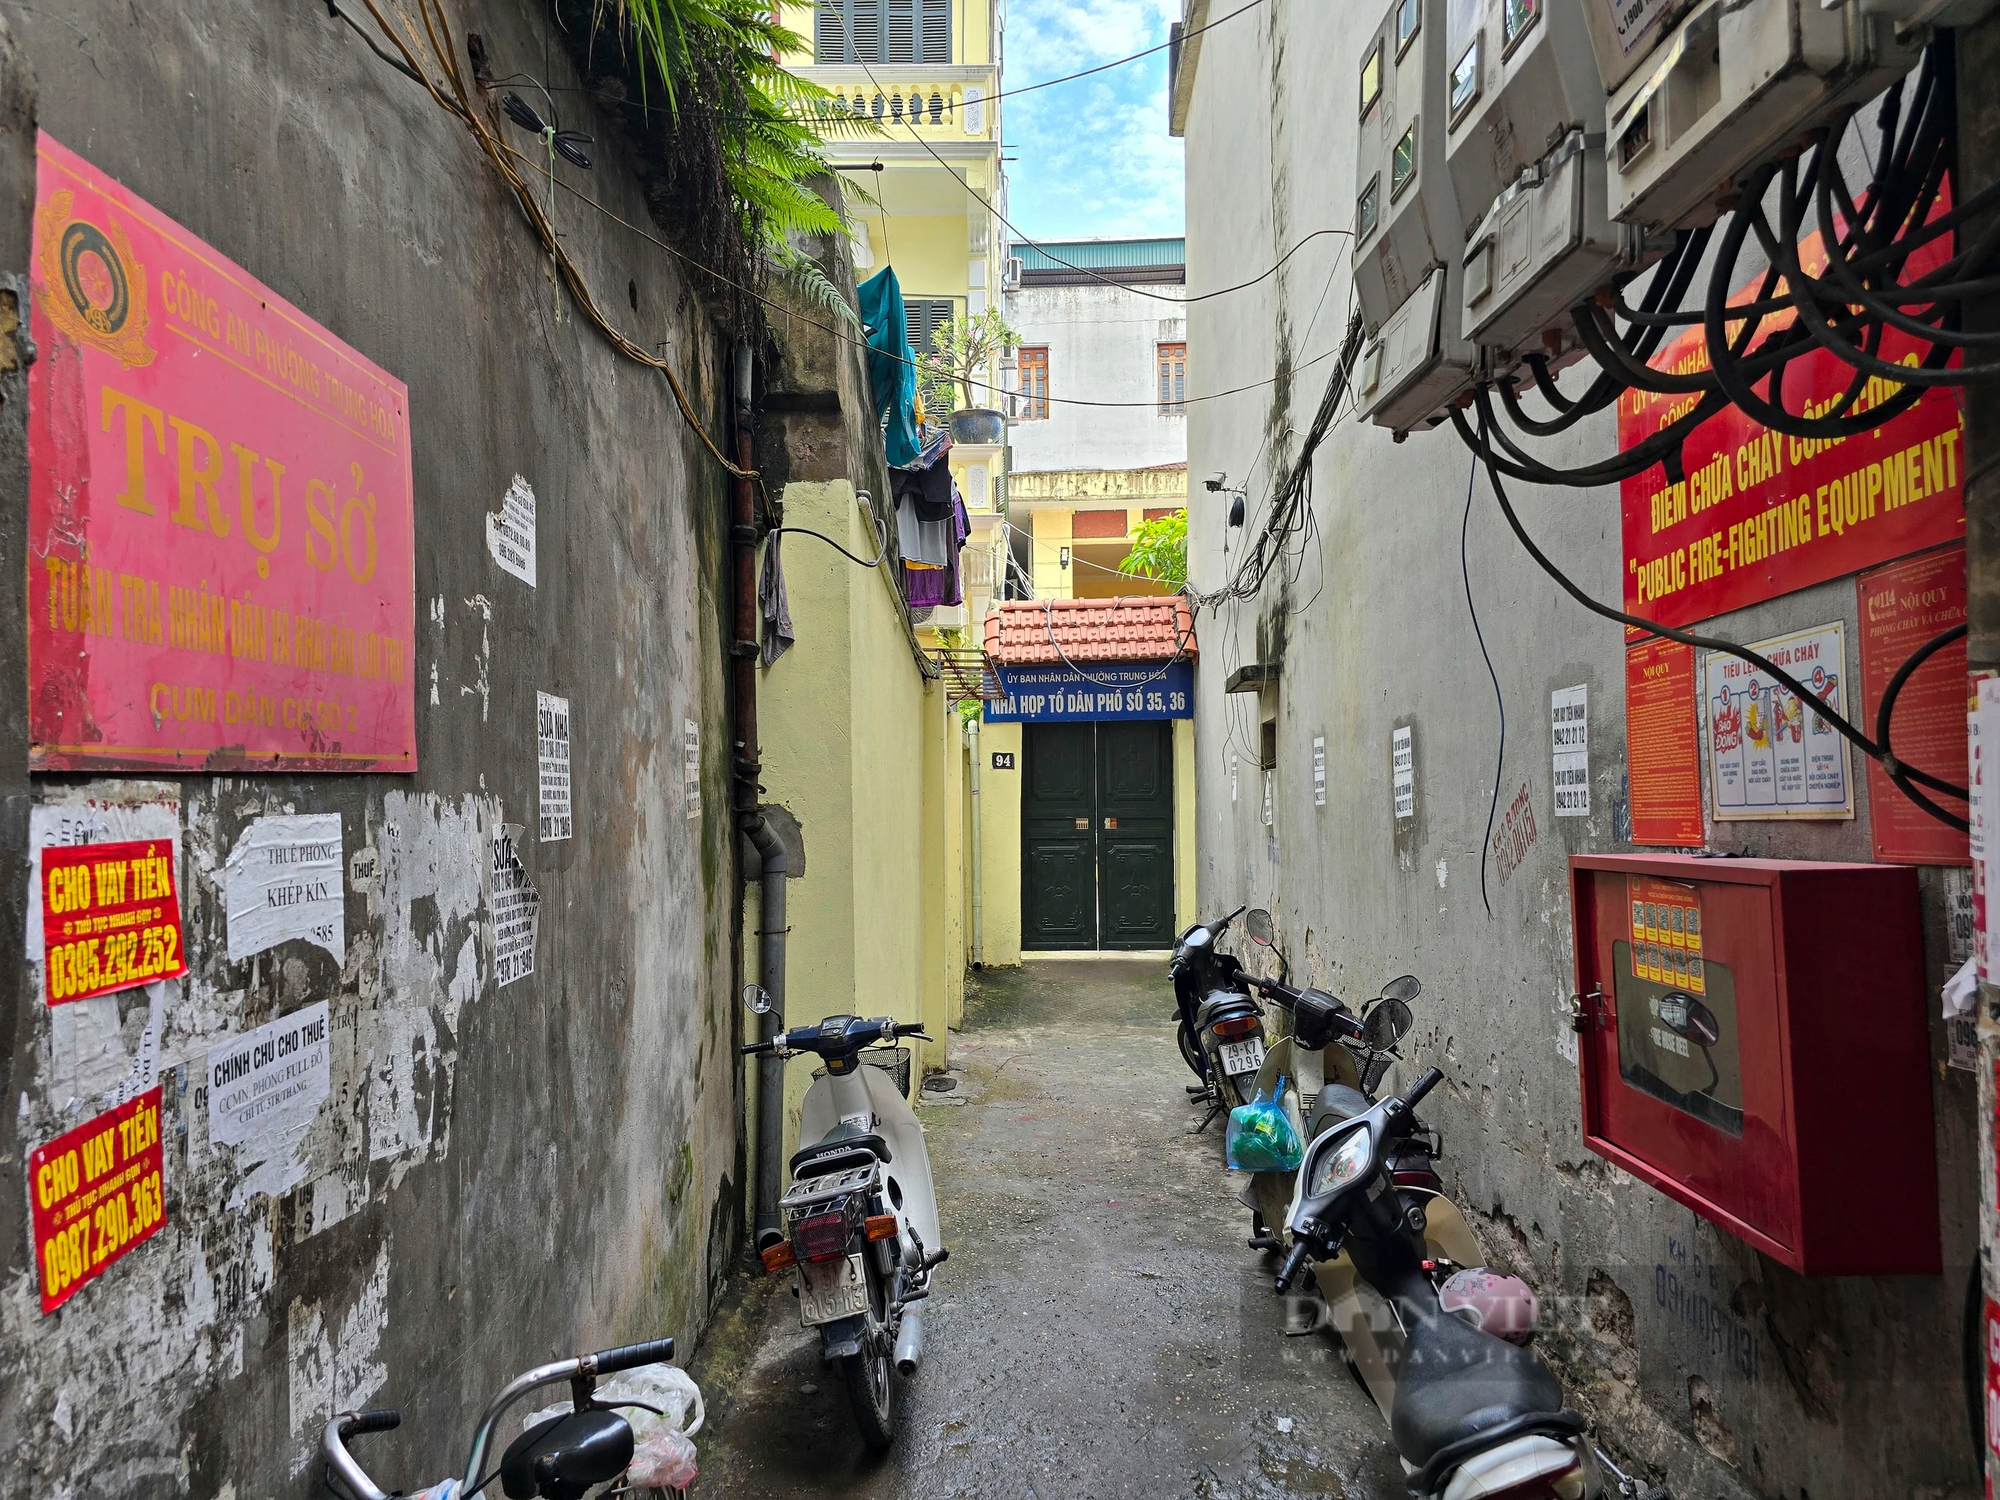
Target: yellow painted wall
(852, 746)
(1050, 535)
(1000, 843)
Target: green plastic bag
(1262, 1137)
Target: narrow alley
(1101, 1328)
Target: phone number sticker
(97, 1194)
(111, 918)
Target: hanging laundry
(928, 487)
(773, 603)
(925, 587)
(923, 541)
(892, 368)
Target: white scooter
(860, 1218)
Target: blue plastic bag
(1262, 1137)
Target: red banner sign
(1901, 606)
(111, 918)
(220, 497)
(96, 1194)
(1761, 513)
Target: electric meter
(1905, 14)
(1735, 83)
(1409, 245)
(1525, 147)
(1623, 33)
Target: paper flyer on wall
(1771, 756)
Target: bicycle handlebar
(628, 1356)
(341, 1464)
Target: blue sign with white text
(1096, 690)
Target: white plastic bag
(444, 1489)
(661, 1445)
(664, 1458)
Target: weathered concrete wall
(500, 1175)
(1708, 1364)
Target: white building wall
(1103, 346)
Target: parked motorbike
(559, 1457)
(860, 1218)
(1221, 1026)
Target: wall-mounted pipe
(978, 859)
(745, 763)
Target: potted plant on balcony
(955, 369)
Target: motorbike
(1221, 1026)
(560, 1457)
(860, 1217)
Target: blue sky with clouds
(1093, 158)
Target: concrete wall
(1705, 1363)
(499, 1175)
(1102, 343)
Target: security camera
(1214, 484)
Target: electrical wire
(1898, 772)
(1022, 236)
(1500, 754)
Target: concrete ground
(1101, 1329)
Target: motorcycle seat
(842, 1140)
(1457, 1382)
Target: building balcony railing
(938, 108)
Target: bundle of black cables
(1867, 288)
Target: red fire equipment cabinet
(1754, 1042)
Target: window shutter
(934, 28)
(902, 31)
(829, 35)
(867, 27)
(926, 315)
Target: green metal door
(1097, 826)
(1058, 836)
(1135, 834)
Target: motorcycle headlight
(1339, 1167)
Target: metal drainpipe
(773, 868)
(978, 863)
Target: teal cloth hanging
(892, 372)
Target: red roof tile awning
(1019, 633)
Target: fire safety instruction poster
(1769, 754)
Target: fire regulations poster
(220, 498)
(1769, 754)
(1900, 607)
(1761, 513)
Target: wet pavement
(1101, 1329)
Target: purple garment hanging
(927, 587)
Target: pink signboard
(221, 546)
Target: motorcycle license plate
(831, 1289)
(1242, 1057)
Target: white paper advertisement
(1769, 754)
(691, 767)
(283, 880)
(1403, 766)
(1569, 733)
(516, 906)
(510, 532)
(552, 739)
(264, 1088)
(1982, 729)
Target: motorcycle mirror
(1258, 925)
(757, 998)
(1388, 1021)
(1404, 989)
(1688, 1018)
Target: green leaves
(960, 352)
(1159, 550)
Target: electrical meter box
(1408, 241)
(1623, 33)
(1734, 84)
(1754, 1043)
(1525, 147)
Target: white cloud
(1094, 156)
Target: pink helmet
(1503, 1306)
